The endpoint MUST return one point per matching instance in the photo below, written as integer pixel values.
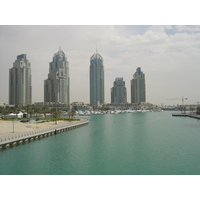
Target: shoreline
(6, 127)
(18, 138)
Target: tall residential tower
(118, 92)
(96, 80)
(138, 91)
(20, 89)
(56, 87)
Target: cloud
(168, 55)
(187, 28)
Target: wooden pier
(12, 140)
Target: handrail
(30, 134)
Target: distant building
(96, 80)
(138, 91)
(56, 87)
(2, 104)
(20, 89)
(118, 92)
(79, 106)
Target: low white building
(12, 115)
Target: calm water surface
(127, 144)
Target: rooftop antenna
(59, 46)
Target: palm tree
(69, 114)
(16, 109)
(45, 110)
(30, 110)
(73, 112)
(191, 109)
(8, 109)
(55, 114)
(37, 110)
(184, 109)
(5, 111)
(198, 110)
(181, 109)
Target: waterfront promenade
(17, 132)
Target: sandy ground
(6, 127)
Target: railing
(27, 135)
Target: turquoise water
(127, 144)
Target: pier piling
(30, 136)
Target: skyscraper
(118, 92)
(96, 80)
(138, 91)
(20, 89)
(56, 87)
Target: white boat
(80, 113)
(86, 113)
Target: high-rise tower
(56, 87)
(118, 92)
(20, 89)
(96, 80)
(138, 91)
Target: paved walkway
(6, 127)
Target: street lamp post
(13, 125)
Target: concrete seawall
(11, 140)
(186, 115)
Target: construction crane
(182, 101)
(179, 99)
(197, 102)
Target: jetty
(11, 140)
(186, 115)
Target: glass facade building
(138, 88)
(20, 89)
(96, 80)
(118, 92)
(56, 87)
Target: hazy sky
(168, 55)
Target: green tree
(4, 111)
(73, 112)
(184, 109)
(37, 110)
(30, 110)
(55, 114)
(17, 109)
(8, 109)
(191, 109)
(1, 110)
(198, 110)
(45, 110)
(69, 113)
(181, 109)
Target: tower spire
(59, 46)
